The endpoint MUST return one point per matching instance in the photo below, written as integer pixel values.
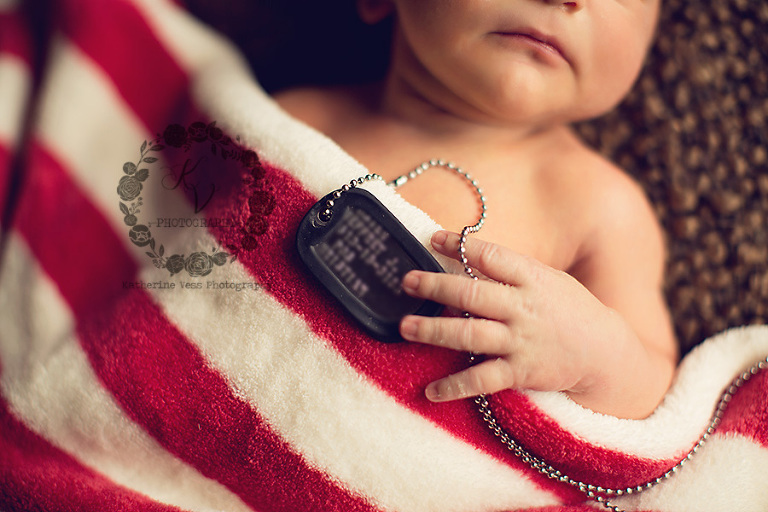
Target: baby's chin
(564, 114)
(517, 115)
(530, 106)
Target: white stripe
(193, 45)
(320, 405)
(729, 473)
(14, 94)
(687, 408)
(96, 146)
(51, 388)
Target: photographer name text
(191, 285)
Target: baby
(492, 85)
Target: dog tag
(360, 254)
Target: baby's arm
(605, 339)
(623, 266)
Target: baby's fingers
(466, 334)
(494, 261)
(485, 378)
(481, 298)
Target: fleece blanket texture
(163, 349)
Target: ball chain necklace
(320, 218)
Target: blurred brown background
(693, 132)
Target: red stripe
(14, 43)
(14, 37)
(158, 376)
(578, 459)
(747, 412)
(120, 41)
(67, 234)
(35, 475)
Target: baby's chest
(517, 219)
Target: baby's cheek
(616, 65)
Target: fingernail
(408, 328)
(410, 282)
(439, 238)
(432, 393)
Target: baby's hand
(540, 329)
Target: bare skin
(572, 237)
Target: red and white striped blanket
(255, 392)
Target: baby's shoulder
(597, 185)
(612, 206)
(319, 107)
(308, 104)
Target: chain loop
(402, 180)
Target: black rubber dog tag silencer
(360, 254)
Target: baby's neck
(409, 129)
(390, 128)
(446, 118)
(506, 163)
